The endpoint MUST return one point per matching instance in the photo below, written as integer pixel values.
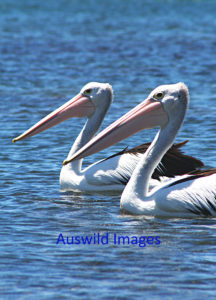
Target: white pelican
(113, 173)
(188, 196)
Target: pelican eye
(158, 96)
(88, 91)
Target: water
(49, 50)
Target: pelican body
(188, 195)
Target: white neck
(90, 128)
(138, 184)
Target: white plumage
(186, 196)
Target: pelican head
(93, 97)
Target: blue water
(48, 51)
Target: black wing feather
(173, 163)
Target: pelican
(110, 174)
(187, 196)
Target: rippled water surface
(49, 50)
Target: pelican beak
(148, 114)
(79, 106)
